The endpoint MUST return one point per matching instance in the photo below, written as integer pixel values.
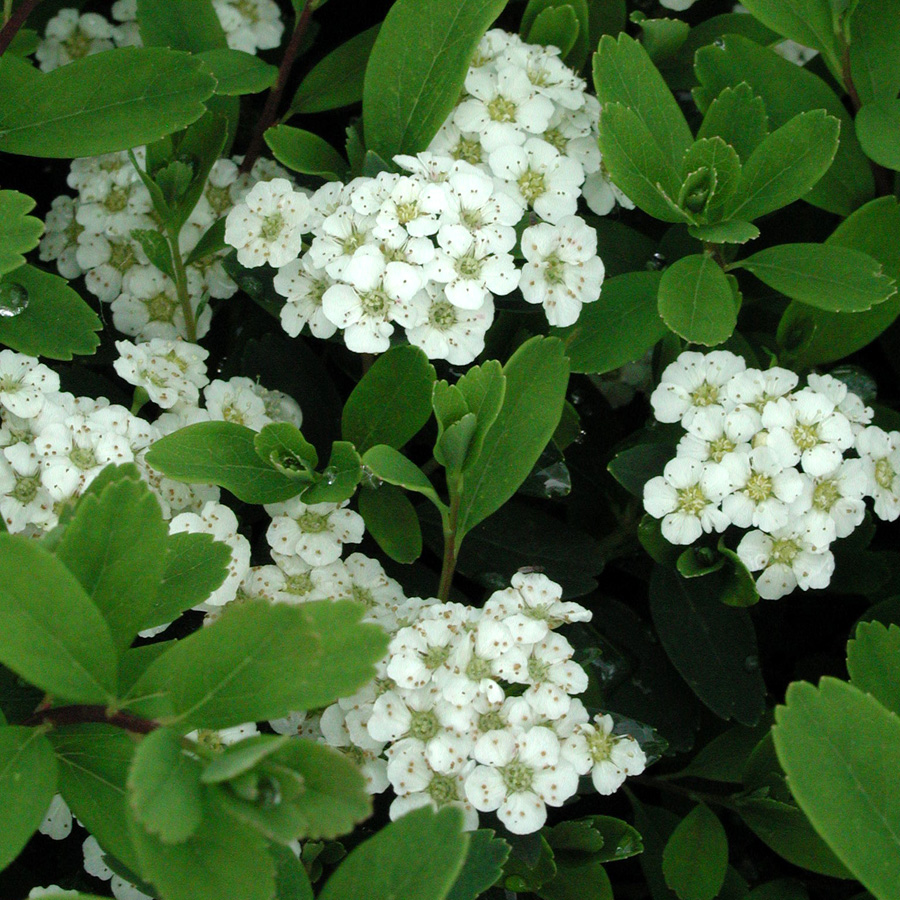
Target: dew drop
(720, 43)
(330, 475)
(13, 299)
(656, 262)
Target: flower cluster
(249, 25)
(762, 454)
(473, 708)
(428, 250)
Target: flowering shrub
(448, 492)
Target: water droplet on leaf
(13, 299)
(330, 475)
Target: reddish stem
(78, 715)
(270, 110)
(15, 22)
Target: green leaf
(305, 152)
(788, 90)
(483, 865)
(713, 646)
(392, 466)
(105, 102)
(212, 241)
(875, 51)
(55, 322)
(221, 453)
(292, 882)
(618, 328)
(180, 24)
(407, 96)
(537, 376)
(637, 165)
(737, 116)
(164, 787)
(661, 38)
(259, 661)
(808, 22)
(785, 165)
(195, 566)
(483, 388)
(555, 26)
(19, 232)
(708, 197)
(696, 856)
(50, 632)
(93, 770)
(623, 73)
(392, 521)
(238, 73)
(584, 880)
(27, 785)
(873, 229)
(220, 859)
(241, 757)
(392, 401)
(878, 130)
(724, 757)
(156, 247)
(733, 232)
(282, 445)
(872, 663)
(336, 80)
(822, 275)
(574, 57)
(382, 868)
(341, 476)
(696, 302)
(115, 545)
(840, 750)
(780, 889)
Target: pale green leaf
(19, 232)
(392, 466)
(872, 658)
(731, 232)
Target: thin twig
(15, 22)
(78, 715)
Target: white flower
(250, 25)
(692, 382)
(315, 532)
(237, 401)
(786, 559)
(149, 307)
(563, 270)
(715, 434)
(52, 890)
(60, 238)
(24, 383)
(445, 331)
(304, 285)
(412, 207)
(610, 758)
(268, 225)
(106, 259)
(472, 201)
(520, 773)
(24, 501)
(833, 504)
(806, 428)
(170, 371)
(548, 74)
(338, 237)
(763, 489)
(538, 175)
(423, 650)
(363, 580)
(469, 268)
(57, 822)
(880, 454)
(71, 35)
(222, 524)
(686, 497)
(845, 400)
(553, 677)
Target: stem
(181, 285)
(270, 110)
(884, 178)
(77, 715)
(696, 796)
(450, 549)
(14, 21)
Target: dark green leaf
(115, 545)
(878, 130)
(733, 232)
(407, 96)
(826, 276)
(392, 466)
(875, 50)
(27, 785)
(238, 73)
(555, 26)
(259, 661)
(383, 868)
(392, 402)
(336, 80)
(283, 446)
(164, 787)
(305, 152)
(781, 889)
(661, 38)
(105, 102)
(618, 328)
(696, 302)
(483, 865)
(292, 882)
(190, 25)
(50, 632)
(19, 232)
(707, 196)
(696, 856)
(872, 663)
(808, 22)
(713, 646)
(156, 247)
(212, 241)
(55, 323)
(737, 116)
(221, 453)
(537, 375)
(341, 476)
(575, 56)
(392, 521)
(483, 388)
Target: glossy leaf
(55, 322)
(407, 96)
(105, 102)
(878, 130)
(19, 232)
(50, 632)
(221, 453)
(238, 73)
(696, 302)
(872, 663)
(305, 152)
(555, 26)
(696, 856)
(808, 22)
(737, 116)
(392, 466)
(391, 519)
(338, 481)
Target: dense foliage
(449, 449)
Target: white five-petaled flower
(692, 382)
(763, 489)
(169, 371)
(24, 383)
(880, 454)
(609, 757)
(315, 532)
